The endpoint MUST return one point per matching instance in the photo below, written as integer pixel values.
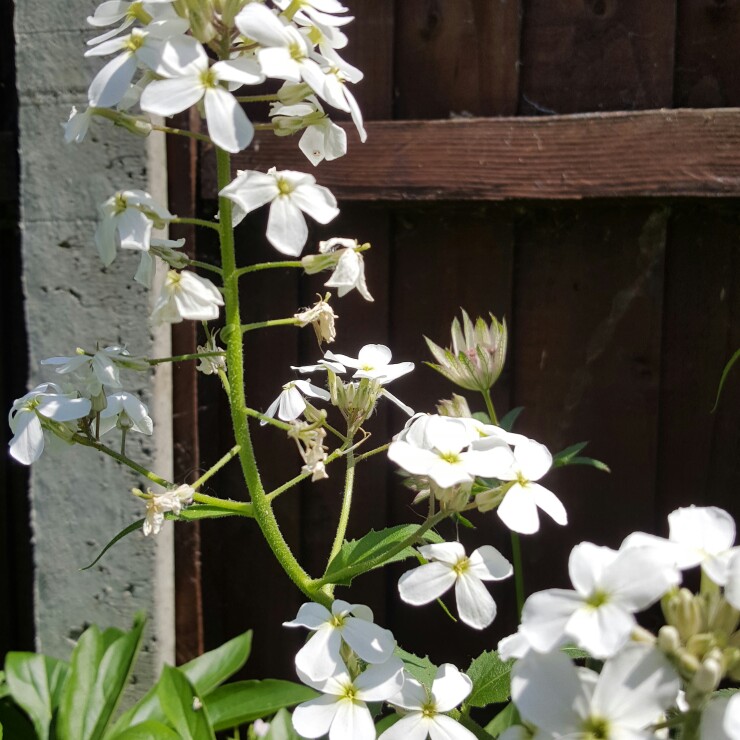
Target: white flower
(126, 412)
(374, 363)
(290, 404)
(127, 219)
(342, 712)
(318, 11)
(127, 13)
(320, 657)
(632, 693)
(290, 195)
(228, 125)
(165, 250)
(349, 272)
(450, 566)
(424, 712)
(433, 446)
(732, 585)
(610, 586)
(186, 295)
(158, 504)
(76, 127)
(518, 510)
(47, 401)
(210, 365)
(696, 536)
(721, 719)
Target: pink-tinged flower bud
(456, 407)
(477, 355)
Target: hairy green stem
(181, 132)
(303, 476)
(349, 484)
(184, 358)
(267, 266)
(243, 508)
(228, 457)
(376, 451)
(258, 98)
(262, 509)
(206, 266)
(516, 554)
(267, 419)
(195, 222)
(292, 321)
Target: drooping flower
(186, 295)
(45, 401)
(126, 412)
(290, 404)
(322, 317)
(610, 587)
(158, 504)
(449, 566)
(342, 711)
(75, 129)
(348, 274)
(425, 711)
(352, 624)
(211, 365)
(290, 195)
(632, 693)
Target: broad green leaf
(183, 707)
(99, 672)
(35, 683)
(507, 421)
(373, 545)
(16, 724)
(491, 679)
(211, 669)
(507, 717)
(150, 730)
(245, 701)
(422, 669)
(386, 722)
(482, 417)
(192, 513)
(569, 456)
(726, 692)
(281, 727)
(725, 373)
(474, 727)
(146, 709)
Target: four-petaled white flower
(47, 401)
(374, 363)
(349, 272)
(290, 195)
(450, 566)
(126, 412)
(424, 712)
(518, 510)
(631, 693)
(110, 12)
(342, 712)
(320, 657)
(187, 84)
(158, 504)
(598, 616)
(290, 404)
(186, 295)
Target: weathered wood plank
(597, 55)
(656, 153)
(457, 57)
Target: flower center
(120, 204)
(137, 12)
(208, 78)
(337, 620)
(597, 599)
(595, 728)
(135, 41)
(285, 187)
(429, 710)
(461, 566)
(450, 457)
(521, 480)
(297, 54)
(349, 692)
(31, 404)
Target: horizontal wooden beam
(686, 152)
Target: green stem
(267, 266)
(242, 508)
(206, 266)
(292, 321)
(267, 419)
(355, 570)
(258, 98)
(153, 477)
(263, 513)
(516, 554)
(349, 484)
(180, 132)
(195, 222)
(376, 451)
(184, 358)
(228, 457)
(489, 406)
(303, 476)
(263, 127)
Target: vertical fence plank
(594, 55)
(707, 54)
(457, 57)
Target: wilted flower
(477, 355)
(321, 316)
(158, 504)
(186, 295)
(310, 441)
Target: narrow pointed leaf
(211, 669)
(185, 711)
(570, 456)
(507, 717)
(507, 421)
(150, 730)
(725, 373)
(474, 727)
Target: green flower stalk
(477, 355)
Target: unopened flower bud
(356, 400)
(456, 407)
(643, 636)
(134, 124)
(724, 618)
(313, 263)
(732, 663)
(700, 644)
(490, 499)
(688, 663)
(290, 94)
(477, 355)
(683, 610)
(99, 403)
(669, 641)
(707, 677)
(454, 498)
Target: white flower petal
(314, 718)
(637, 580)
(602, 631)
(411, 727)
(112, 82)
(286, 227)
(167, 97)
(533, 459)
(545, 615)
(488, 564)
(352, 720)
(228, 124)
(705, 528)
(450, 553)
(426, 583)
(317, 201)
(443, 727)
(450, 687)
(475, 605)
(310, 615)
(549, 503)
(518, 510)
(319, 658)
(372, 643)
(380, 682)
(27, 443)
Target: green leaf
(281, 727)
(35, 683)
(123, 533)
(508, 420)
(374, 545)
(491, 679)
(474, 727)
(382, 725)
(182, 706)
(507, 717)
(726, 692)
(147, 708)
(575, 653)
(482, 417)
(17, 726)
(150, 730)
(4, 690)
(463, 521)
(100, 668)
(211, 669)
(422, 669)
(725, 373)
(245, 701)
(569, 456)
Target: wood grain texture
(597, 55)
(656, 153)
